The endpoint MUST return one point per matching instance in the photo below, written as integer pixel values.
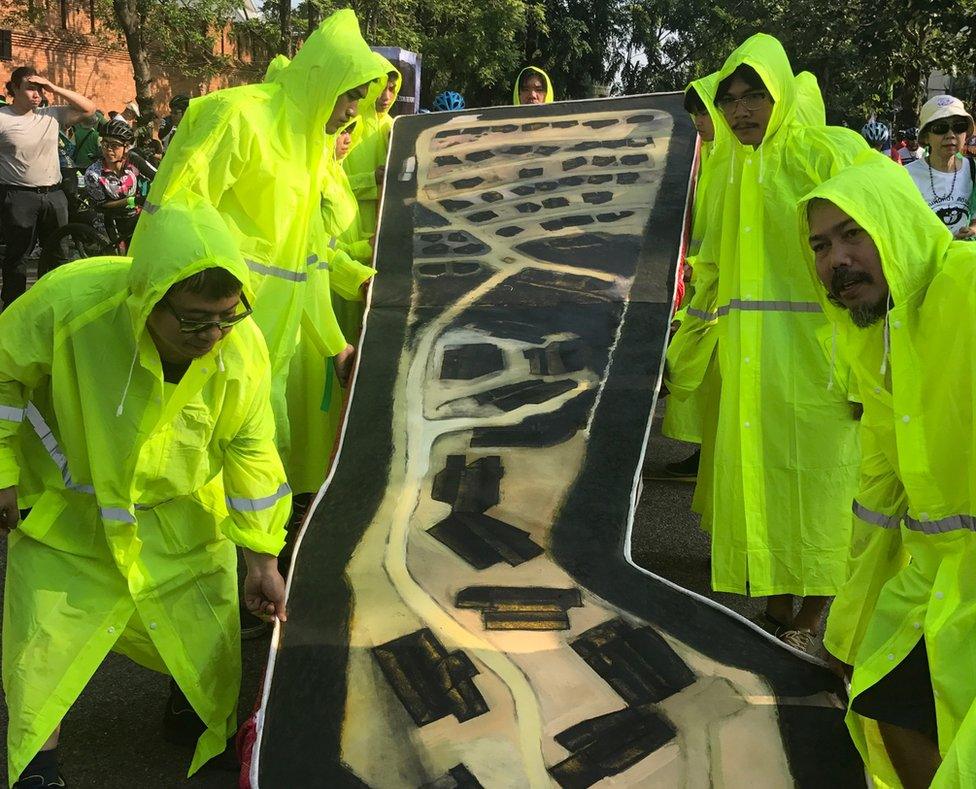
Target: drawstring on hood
(128, 380)
(887, 337)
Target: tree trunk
(284, 23)
(129, 15)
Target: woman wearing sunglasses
(945, 175)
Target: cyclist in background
(909, 151)
(876, 134)
(114, 183)
(448, 101)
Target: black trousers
(26, 218)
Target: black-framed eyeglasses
(958, 126)
(188, 326)
(752, 101)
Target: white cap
(939, 107)
(133, 108)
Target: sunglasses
(752, 101)
(188, 326)
(958, 126)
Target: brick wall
(76, 59)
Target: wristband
(130, 202)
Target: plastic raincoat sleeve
(346, 276)
(363, 183)
(258, 498)
(26, 342)
(876, 552)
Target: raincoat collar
(550, 93)
(767, 57)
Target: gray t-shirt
(29, 145)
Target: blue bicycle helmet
(448, 101)
(875, 132)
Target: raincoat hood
(550, 93)
(333, 60)
(766, 56)
(705, 88)
(369, 118)
(187, 236)
(278, 62)
(881, 197)
(810, 109)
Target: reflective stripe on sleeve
(951, 523)
(255, 505)
(11, 414)
(744, 305)
(702, 315)
(876, 518)
(50, 443)
(275, 271)
(150, 208)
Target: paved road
(112, 736)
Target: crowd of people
(819, 361)
(162, 411)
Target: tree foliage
(867, 59)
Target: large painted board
(462, 607)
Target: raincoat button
(896, 324)
(749, 160)
(939, 595)
(748, 424)
(747, 229)
(746, 360)
(906, 418)
(891, 656)
(111, 630)
(152, 625)
(203, 370)
(877, 390)
(917, 625)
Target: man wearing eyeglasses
(785, 454)
(136, 423)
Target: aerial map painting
(463, 610)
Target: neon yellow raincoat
(370, 144)
(692, 348)
(550, 93)
(919, 480)
(319, 410)
(129, 545)
(255, 152)
(785, 448)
